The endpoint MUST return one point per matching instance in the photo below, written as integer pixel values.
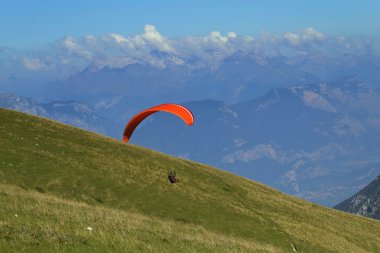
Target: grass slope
(36, 222)
(59, 179)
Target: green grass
(46, 223)
(59, 180)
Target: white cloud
(293, 38)
(290, 178)
(255, 153)
(150, 39)
(90, 39)
(73, 46)
(273, 152)
(34, 64)
(312, 34)
(306, 36)
(151, 47)
(70, 43)
(152, 35)
(231, 35)
(239, 142)
(217, 37)
(346, 126)
(118, 38)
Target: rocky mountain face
(73, 113)
(319, 141)
(365, 203)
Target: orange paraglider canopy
(175, 109)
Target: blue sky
(25, 24)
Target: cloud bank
(113, 50)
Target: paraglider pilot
(172, 177)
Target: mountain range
(118, 92)
(74, 113)
(318, 141)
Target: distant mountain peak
(366, 202)
(74, 113)
(313, 98)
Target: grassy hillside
(59, 180)
(36, 222)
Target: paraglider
(175, 109)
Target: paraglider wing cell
(175, 109)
